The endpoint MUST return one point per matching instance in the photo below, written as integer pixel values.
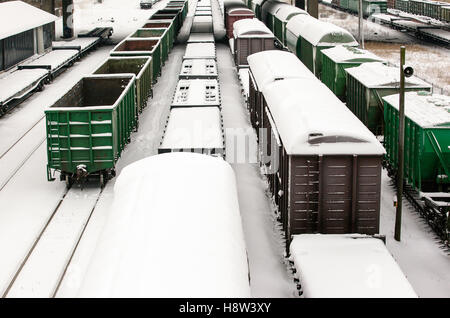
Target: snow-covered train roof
(30, 18)
(376, 74)
(318, 32)
(201, 38)
(251, 28)
(174, 230)
(200, 51)
(348, 265)
(286, 12)
(427, 110)
(272, 6)
(350, 54)
(194, 127)
(272, 65)
(197, 92)
(312, 120)
(239, 11)
(199, 68)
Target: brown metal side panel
(269, 44)
(256, 45)
(336, 203)
(242, 50)
(304, 191)
(252, 100)
(368, 186)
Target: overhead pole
(401, 143)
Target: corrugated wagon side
(140, 66)
(89, 126)
(161, 33)
(162, 24)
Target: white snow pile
(423, 108)
(252, 28)
(349, 265)
(174, 231)
(376, 74)
(200, 51)
(312, 120)
(344, 53)
(194, 127)
(269, 66)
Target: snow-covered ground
(430, 62)
(60, 253)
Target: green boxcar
(269, 9)
(445, 13)
(427, 139)
(307, 36)
(140, 66)
(368, 83)
(402, 5)
(344, 4)
(140, 47)
(334, 62)
(433, 9)
(369, 6)
(257, 8)
(89, 126)
(161, 33)
(156, 24)
(282, 17)
(169, 15)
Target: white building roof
(174, 230)
(272, 65)
(29, 18)
(378, 75)
(426, 110)
(318, 32)
(199, 67)
(348, 265)
(251, 28)
(194, 127)
(200, 51)
(350, 54)
(312, 120)
(197, 92)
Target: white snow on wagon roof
(427, 110)
(30, 18)
(319, 32)
(199, 67)
(174, 230)
(200, 51)
(288, 10)
(197, 92)
(240, 11)
(269, 66)
(201, 38)
(251, 28)
(82, 42)
(195, 127)
(376, 74)
(348, 265)
(312, 120)
(349, 54)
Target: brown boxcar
(236, 14)
(324, 165)
(250, 36)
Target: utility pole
(360, 25)
(401, 143)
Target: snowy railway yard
(49, 233)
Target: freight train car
(135, 253)
(307, 37)
(250, 36)
(89, 126)
(281, 18)
(368, 83)
(347, 266)
(158, 33)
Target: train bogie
(89, 126)
(368, 83)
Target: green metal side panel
(94, 138)
(353, 5)
(270, 22)
(157, 63)
(161, 33)
(344, 4)
(367, 104)
(278, 29)
(402, 5)
(292, 42)
(423, 163)
(306, 53)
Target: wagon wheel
(102, 179)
